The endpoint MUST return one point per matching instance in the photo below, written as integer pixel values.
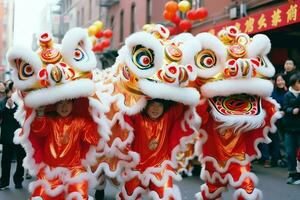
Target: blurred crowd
(284, 149)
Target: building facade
(276, 18)
(6, 34)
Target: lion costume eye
(79, 54)
(142, 57)
(25, 70)
(205, 59)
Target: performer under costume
(154, 139)
(58, 148)
(64, 142)
(148, 67)
(236, 110)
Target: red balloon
(105, 43)
(201, 13)
(108, 33)
(99, 34)
(171, 6)
(176, 19)
(168, 15)
(172, 30)
(191, 14)
(98, 47)
(185, 25)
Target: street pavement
(272, 183)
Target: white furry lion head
(151, 64)
(54, 72)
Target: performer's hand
(40, 111)
(295, 111)
(10, 102)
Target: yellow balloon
(99, 24)
(92, 30)
(184, 6)
(93, 40)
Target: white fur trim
(209, 195)
(205, 175)
(149, 41)
(188, 96)
(255, 195)
(70, 90)
(183, 37)
(72, 39)
(23, 53)
(137, 191)
(268, 69)
(64, 175)
(229, 87)
(260, 45)
(211, 42)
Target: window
(132, 17)
(82, 16)
(90, 9)
(121, 26)
(148, 12)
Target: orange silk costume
(64, 141)
(226, 156)
(154, 140)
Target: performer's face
(296, 86)
(64, 108)
(154, 110)
(280, 83)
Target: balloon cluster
(184, 6)
(96, 32)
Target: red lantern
(201, 13)
(171, 6)
(176, 19)
(168, 15)
(108, 33)
(191, 15)
(99, 34)
(185, 25)
(105, 43)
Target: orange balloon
(168, 15)
(171, 6)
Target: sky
(27, 14)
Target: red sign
(271, 18)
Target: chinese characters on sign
(272, 18)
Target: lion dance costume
(236, 110)
(57, 148)
(148, 67)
